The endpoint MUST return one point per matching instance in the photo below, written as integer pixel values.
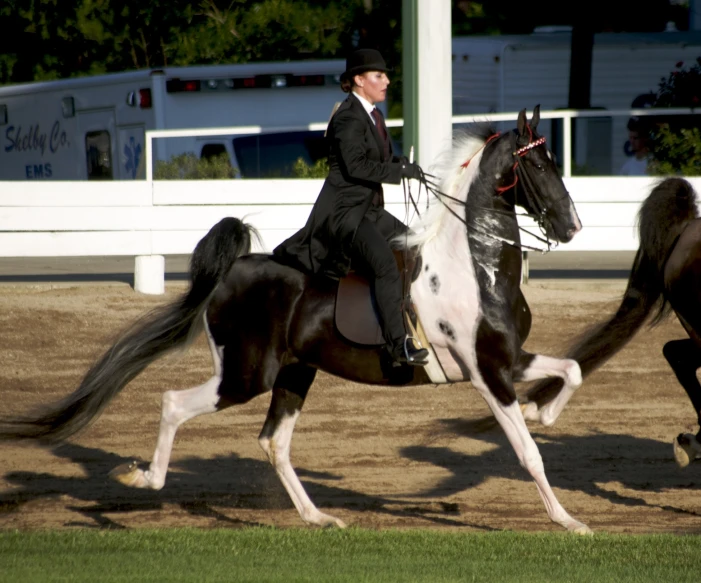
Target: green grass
(353, 555)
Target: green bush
(676, 140)
(189, 167)
(676, 151)
(319, 169)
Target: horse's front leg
(533, 367)
(684, 356)
(491, 374)
(511, 420)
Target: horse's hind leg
(177, 407)
(684, 356)
(289, 392)
(532, 367)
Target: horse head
(538, 186)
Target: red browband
(519, 152)
(522, 151)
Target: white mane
(455, 181)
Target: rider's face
(372, 85)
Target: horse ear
(522, 126)
(536, 117)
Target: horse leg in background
(289, 392)
(684, 356)
(533, 367)
(177, 407)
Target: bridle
(535, 202)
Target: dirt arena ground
(426, 457)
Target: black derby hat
(364, 60)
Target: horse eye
(540, 167)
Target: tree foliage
(518, 17)
(266, 30)
(55, 39)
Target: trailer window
(99, 155)
(274, 155)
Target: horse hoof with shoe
(686, 449)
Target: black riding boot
(404, 351)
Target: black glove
(410, 170)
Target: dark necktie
(381, 128)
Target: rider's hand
(410, 169)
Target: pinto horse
(665, 278)
(271, 327)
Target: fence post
(149, 274)
(524, 266)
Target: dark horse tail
(163, 330)
(662, 217)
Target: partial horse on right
(665, 278)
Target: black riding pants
(372, 256)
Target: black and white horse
(271, 327)
(665, 278)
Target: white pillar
(149, 274)
(434, 79)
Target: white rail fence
(151, 220)
(566, 115)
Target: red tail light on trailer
(182, 85)
(145, 101)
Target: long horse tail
(662, 217)
(163, 330)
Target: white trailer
(508, 73)
(93, 127)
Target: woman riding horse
(348, 222)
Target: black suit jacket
(357, 169)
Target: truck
(509, 72)
(93, 128)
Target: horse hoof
(685, 449)
(128, 474)
(583, 530)
(529, 411)
(327, 521)
(580, 528)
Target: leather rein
(534, 201)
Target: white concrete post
(149, 274)
(435, 79)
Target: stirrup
(410, 354)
